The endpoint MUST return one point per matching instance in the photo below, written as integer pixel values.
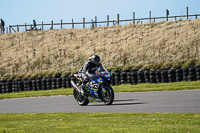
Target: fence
(15, 28)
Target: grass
(151, 44)
(121, 88)
(100, 122)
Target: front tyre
(108, 96)
(82, 101)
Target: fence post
(25, 27)
(117, 19)
(187, 12)
(83, 23)
(195, 16)
(175, 18)
(9, 29)
(167, 13)
(17, 28)
(133, 17)
(154, 19)
(72, 24)
(107, 20)
(95, 21)
(51, 24)
(149, 16)
(42, 26)
(61, 24)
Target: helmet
(95, 59)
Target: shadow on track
(119, 103)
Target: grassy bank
(150, 45)
(100, 122)
(121, 88)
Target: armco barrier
(118, 77)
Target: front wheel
(82, 101)
(108, 96)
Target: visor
(96, 62)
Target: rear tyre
(82, 101)
(108, 97)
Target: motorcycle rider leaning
(88, 71)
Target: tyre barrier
(153, 76)
(197, 72)
(118, 77)
(134, 77)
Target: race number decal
(93, 85)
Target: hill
(150, 45)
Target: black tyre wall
(158, 76)
(192, 74)
(172, 75)
(140, 74)
(153, 76)
(164, 75)
(134, 77)
(117, 78)
(123, 77)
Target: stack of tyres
(53, 82)
(39, 83)
(140, 74)
(172, 75)
(0, 88)
(25, 80)
(34, 86)
(3, 87)
(164, 76)
(30, 88)
(123, 77)
(129, 80)
(44, 84)
(152, 76)
(63, 78)
(14, 86)
(20, 85)
(48, 83)
(58, 83)
(117, 78)
(146, 76)
(192, 74)
(113, 79)
(134, 77)
(9, 86)
(158, 76)
(17, 87)
(185, 73)
(197, 72)
(179, 75)
(68, 83)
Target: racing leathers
(87, 70)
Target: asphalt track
(166, 101)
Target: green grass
(100, 122)
(121, 88)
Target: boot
(83, 89)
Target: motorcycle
(99, 89)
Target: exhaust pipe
(75, 86)
(79, 91)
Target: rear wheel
(82, 101)
(108, 96)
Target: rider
(88, 70)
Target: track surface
(163, 102)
